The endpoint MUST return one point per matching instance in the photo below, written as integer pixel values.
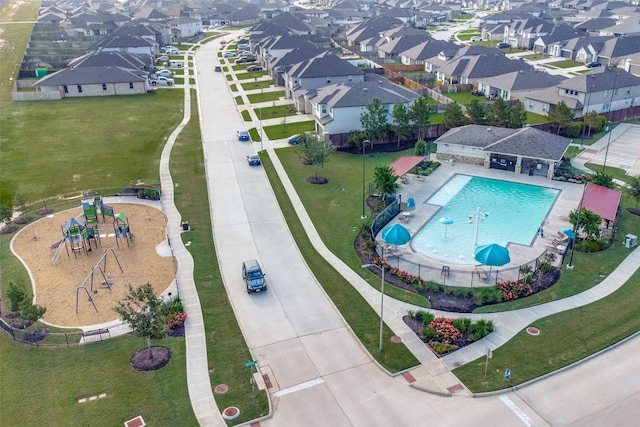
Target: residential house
(614, 50)
(95, 81)
(365, 35)
(471, 68)
(602, 90)
(321, 70)
(583, 49)
(132, 61)
(517, 84)
(337, 107)
(248, 15)
(557, 33)
(293, 24)
(523, 33)
(526, 150)
(279, 65)
(427, 49)
(395, 47)
(126, 43)
(272, 47)
(453, 53)
(182, 28)
(625, 27)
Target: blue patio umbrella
(411, 203)
(396, 235)
(568, 232)
(492, 255)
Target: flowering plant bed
(445, 334)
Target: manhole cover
(533, 331)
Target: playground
(81, 266)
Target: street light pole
(575, 230)
(364, 144)
(479, 214)
(613, 91)
(606, 151)
(381, 300)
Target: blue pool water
(513, 214)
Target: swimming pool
(510, 212)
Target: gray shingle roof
(324, 64)
(527, 142)
(599, 80)
(359, 94)
(91, 75)
(523, 80)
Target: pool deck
(422, 188)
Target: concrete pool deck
(422, 188)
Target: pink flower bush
(512, 290)
(405, 276)
(176, 319)
(444, 331)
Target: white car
(229, 54)
(165, 81)
(164, 73)
(476, 39)
(173, 51)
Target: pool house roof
(602, 201)
(404, 164)
(526, 142)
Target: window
(615, 91)
(350, 78)
(79, 88)
(328, 79)
(104, 86)
(545, 107)
(628, 91)
(605, 107)
(605, 94)
(65, 89)
(131, 85)
(323, 108)
(531, 104)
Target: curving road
(320, 371)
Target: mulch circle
(142, 360)
(221, 389)
(178, 331)
(396, 339)
(533, 331)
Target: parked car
(294, 140)
(476, 39)
(164, 73)
(163, 58)
(162, 81)
(173, 51)
(253, 276)
(254, 68)
(243, 41)
(242, 61)
(593, 65)
(253, 160)
(243, 47)
(503, 45)
(223, 41)
(229, 55)
(243, 135)
(249, 59)
(445, 28)
(175, 64)
(218, 69)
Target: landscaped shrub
(487, 296)
(425, 316)
(589, 245)
(480, 329)
(405, 276)
(444, 331)
(15, 295)
(512, 290)
(574, 129)
(442, 348)
(462, 324)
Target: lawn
(275, 111)
(564, 64)
(260, 84)
(464, 98)
(273, 95)
(41, 386)
(285, 130)
(250, 75)
(536, 119)
(565, 338)
(75, 150)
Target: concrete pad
(334, 351)
(279, 356)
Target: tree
(357, 138)
(401, 121)
(477, 113)
(633, 188)
(15, 295)
(592, 121)
(385, 179)
(145, 313)
(589, 222)
(603, 180)
(374, 120)
(498, 114)
(560, 116)
(315, 150)
(5, 213)
(420, 148)
(31, 312)
(517, 116)
(420, 114)
(454, 116)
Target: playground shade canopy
(404, 164)
(602, 201)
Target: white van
(175, 64)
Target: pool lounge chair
(481, 272)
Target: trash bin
(185, 225)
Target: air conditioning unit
(630, 240)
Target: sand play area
(147, 258)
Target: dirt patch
(56, 284)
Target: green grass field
(268, 96)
